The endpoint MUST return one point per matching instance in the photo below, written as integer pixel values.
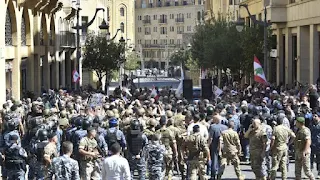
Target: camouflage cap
(301, 119)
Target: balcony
(159, 46)
(163, 21)
(67, 39)
(180, 20)
(146, 21)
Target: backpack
(193, 144)
(111, 137)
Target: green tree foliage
(182, 57)
(102, 56)
(217, 44)
(132, 61)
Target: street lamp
(265, 24)
(122, 60)
(83, 27)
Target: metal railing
(163, 21)
(179, 19)
(146, 21)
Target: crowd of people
(155, 133)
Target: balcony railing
(163, 21)
(146, 21)
(179, 20)
(67, 39)
(159, 45)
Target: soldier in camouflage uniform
(150, 131)
(168, 139)
(302, 149)
(197, 150)
(230, 142)
(155, 152)
(179, 123)
(279, 149)
(89, 154)
(64, 167)
(258, 141)
(268, 129)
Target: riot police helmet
(78, 121)
(135, 124)
(12, 125)
(210, 110)
(86, 124)
(43, 134)
(113, 122)
(96, 120)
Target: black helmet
(135, 125)
(210, 110)
(78, 122)
(86, 124)
(42, 134)
(11, 125)
(96, 120)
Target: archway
(43, 30)
(25, 40)
(10, 40)
(52, 34)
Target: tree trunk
(99, 87)
(106, 85)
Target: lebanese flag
(259, 75)
(154, 93)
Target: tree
(132, 62)
(102, 56)
(217, 44)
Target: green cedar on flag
(259, 75)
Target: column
(68, 70)
(303, 58)
(37, 74)
(16, 90)
(2, 55)
(62, 71)
(280, 64)
(314, 54)
(30, 61)
(288, 71)
(46, 67)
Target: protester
(99, 134)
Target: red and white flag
(259, 75)
(75, 76)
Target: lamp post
(265, 24)
(122, 41)
(82, 27)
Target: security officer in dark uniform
(137, 140)
(79, 134)
(15, 159)
(38, 150)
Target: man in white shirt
(115, 167)
(203, 129)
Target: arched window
(8, 30)
(122, 27)
(23, 32)
(122, 11)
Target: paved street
(229, 173)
